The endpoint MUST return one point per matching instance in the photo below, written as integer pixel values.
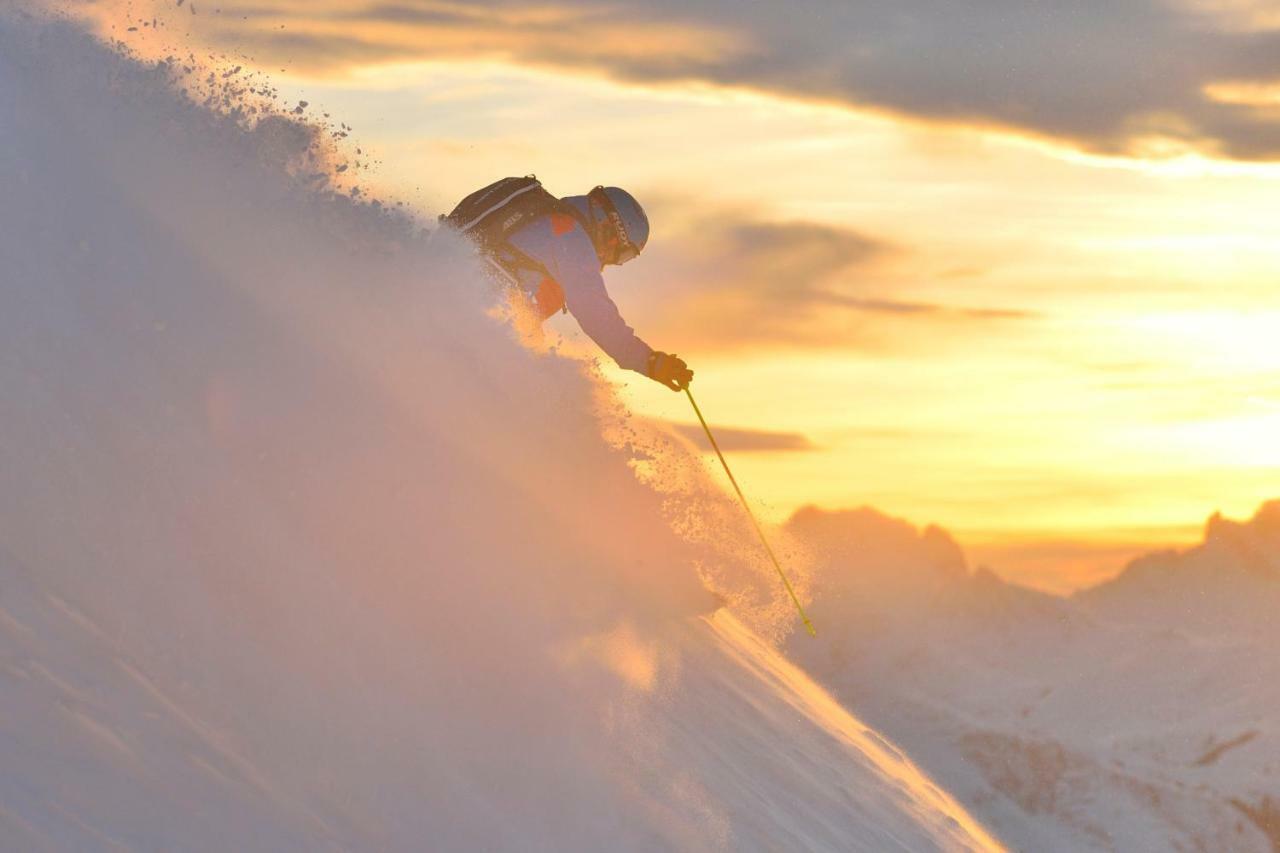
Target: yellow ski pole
(751, 515)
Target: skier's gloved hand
(670, 370)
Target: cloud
(779, 265)
(790, 260)
(728, 281)
(746, 440)
(328, 36)
(1106, 77)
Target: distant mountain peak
(1252, 545)
(878, 543)
(1229, 582)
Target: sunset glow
(1019, 332)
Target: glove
(670, 370)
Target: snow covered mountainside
(1142, 714)
(302, 549)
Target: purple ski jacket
(574, 283)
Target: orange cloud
(746, 440)
(728, 282)
(1129, 78)
(329, 37)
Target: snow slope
(1143, 714)
(300, 548)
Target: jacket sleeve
(576, 267)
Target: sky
(1007, 268)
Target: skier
(552, 252)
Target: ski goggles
(616, 246)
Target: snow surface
(1143, 714)
(300, 548)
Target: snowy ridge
(1143, 714)
(836, 822)
(301, 549)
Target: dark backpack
(489, 216)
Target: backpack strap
(490, 215)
